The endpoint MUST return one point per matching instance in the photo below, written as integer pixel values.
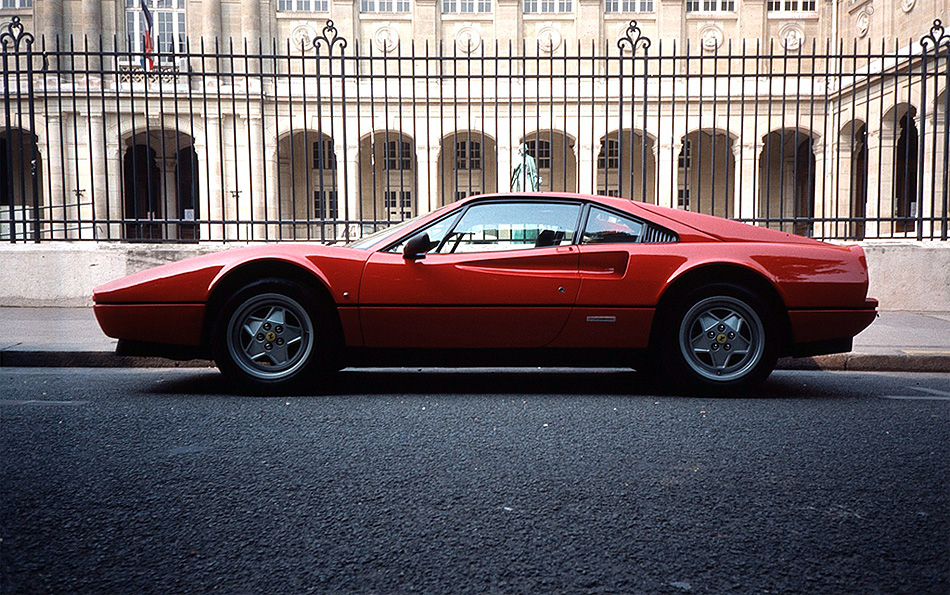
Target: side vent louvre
(658, 235)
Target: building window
(468, 155)
(303, 5)
(323, 155)
(629, 6)
(398, 203)
(168, 25)
(325, 204)
(791, 5)
(398, 155)
(682, 200)
(16, 4)
(710, 5)
(683, 161)
(548, 6)
(541, 151)
(609, 157)
(465, 6)
(384, 5)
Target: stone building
(806, 115)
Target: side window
(436, 232)
(496, 227)
(605, 227)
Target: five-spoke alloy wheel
(271, 334)
(720, 338)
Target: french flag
(149, 49)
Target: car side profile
(506, 279)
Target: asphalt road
(160, 481)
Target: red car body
(591, 301)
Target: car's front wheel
(720, 338)
(270, 335)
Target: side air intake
(658, 235)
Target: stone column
(250, 37)
(48, 22)
(213, 204)
(92, 27)
(98, 181)
(256, 165)
(666, 173)
(55, 158)
(352, 197)
(586, 162)
(877, 167)
(169, 196)
(824, 190)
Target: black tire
(272, 335)
(719, 339)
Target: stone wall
(905, 275)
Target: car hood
(190, 280)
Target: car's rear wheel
(720, 338)
(271, 335)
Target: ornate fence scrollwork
(937, 37)
(633, 39)
(15, 34)
(330, 37)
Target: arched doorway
(624, 163)
(387, 173)
(21, 185)
(706, 173)
(306, 171)
(554, 155)
(468, 164)
(787, 181)
(160, 198)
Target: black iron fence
(325, 140)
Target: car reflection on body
(507, 279)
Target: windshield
(379, 236)
(385, 234)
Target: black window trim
(461, 211)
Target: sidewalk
(56, 337)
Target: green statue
(525, 175)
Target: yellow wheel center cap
(720, 338)
(270, 336)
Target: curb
(25, 358)
(854, 362)
(863, 362)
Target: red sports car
(508, 279)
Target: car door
(621, 276)
(499, 274)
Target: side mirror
(416, 248)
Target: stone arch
(556, 158)
(468, 164)
(387, 172)
(852, 177)
(160, 189)
(308, 198)
(706, 172)
(787, 180)
(625, 160)
(21, 183)
(900, 141)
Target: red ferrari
(502, 280)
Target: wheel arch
(235, 278)
(748, 278)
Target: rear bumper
(834, 329)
